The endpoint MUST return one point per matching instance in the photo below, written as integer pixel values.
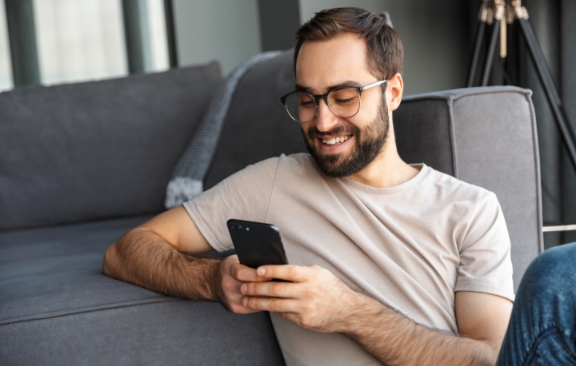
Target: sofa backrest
(96, 150)
(484, 136)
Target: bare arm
(161, 255)
(318, 300)
(398, 340)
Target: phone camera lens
(240, 227)
(232, 227)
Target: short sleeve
(244, 195)
(485, 263)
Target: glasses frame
(316, 98)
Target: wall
(223, 30)
(309, 7)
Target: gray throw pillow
(188, 176)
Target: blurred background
(62, 41)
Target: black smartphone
(256, 243)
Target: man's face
(342, 146)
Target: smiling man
(390, 262)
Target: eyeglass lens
(344, 102)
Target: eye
(344, 101)
(307, 104)
(305, 101)
(344, 97)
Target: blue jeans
(542, 329)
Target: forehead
(322, 64)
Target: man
(390, 262)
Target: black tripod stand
(499, 13)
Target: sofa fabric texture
(95, 150)
(57, 308)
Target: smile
(335, 140)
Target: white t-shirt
(410, 246)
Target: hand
(314, 299)
(231, 276)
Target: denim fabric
(542, 329)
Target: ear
(394, 90)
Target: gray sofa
(81, 164)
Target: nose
(325, 119)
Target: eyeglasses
(343, 101)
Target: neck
(387, 169)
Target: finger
(233, 298)
(275, 305)
(246, 274)
(272, 289)
(288, 272)
(237, 307)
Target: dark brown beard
(369, 142)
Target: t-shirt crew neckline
(419, 177)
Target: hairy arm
(317, 300)
(397, 340)
(145, 259)
(161, 255)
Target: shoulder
(267, 170)
(297, 164)
(449, 188)
(293, 163)
(475, 213)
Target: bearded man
(389, 262)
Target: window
(79, 40)
(5, 64)
(155, 23)
(87, 40)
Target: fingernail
(243, 288)
(260, 271)
(245, 302)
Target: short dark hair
(385, 50)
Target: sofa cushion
(56, 307)
(77, 152)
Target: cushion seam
(464, 93)
(57, 314)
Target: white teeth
(335, 140)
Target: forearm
(397, 340)
(145, 259)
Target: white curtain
(5, 64)
(84, 40)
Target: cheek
(305, 127)
(369, 110)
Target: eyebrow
(345, 83)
